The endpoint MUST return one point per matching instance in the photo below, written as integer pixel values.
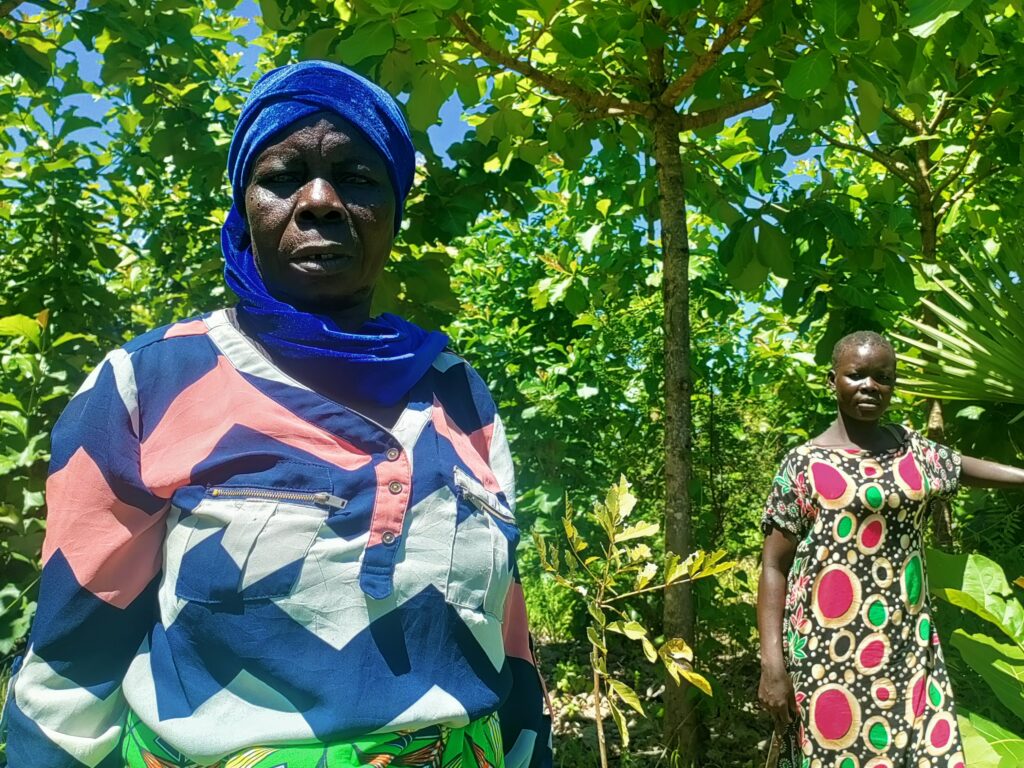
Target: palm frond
(975, 348)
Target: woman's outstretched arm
(980, 473)
(776, 689)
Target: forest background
(645, 223)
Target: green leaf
(21, 325)
(638, 531)
(627, 694)
(372, 39)
(977, 750)
(774, 250)
(631, 629)
(836, 16)
(1001, 665)
(869, 102)
(977, 584)
(588, 237)
(620, 721)
(808, 75)
(205, 30)
(319, 44)
(1008, 746)
(928, 16)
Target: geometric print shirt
(239, 560)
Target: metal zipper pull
(325, 499)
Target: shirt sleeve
(97, 594)
(789, 506)
(525, 714)
(942, 466)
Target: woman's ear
(831, 378)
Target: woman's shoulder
(167, 352)
(180, 329)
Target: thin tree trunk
(942, 514)
(679, 618)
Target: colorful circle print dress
(870, 681)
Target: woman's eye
(281, 177)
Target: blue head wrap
(383, 360)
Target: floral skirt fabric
(478, 745)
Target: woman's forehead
(867, 354)
(325, 132)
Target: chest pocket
(248, 544)
(485, 538)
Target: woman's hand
(777, 696)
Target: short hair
(859, 339)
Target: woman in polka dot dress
(852, 672)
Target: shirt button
(395, 487)
(393, 454)
(387, 537)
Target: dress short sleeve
(789, 506)
(942, 465)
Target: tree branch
(706, 60)
(583, 99)
(879, 157)
(971, 148)
(910, 125)
(7, 7)
(692, 121)
(940, 114)
(962, 191)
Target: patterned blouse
(235, 560)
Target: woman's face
(321, 211)
(863, 381)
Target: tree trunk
(942, 514)
(679, 620)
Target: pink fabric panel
(113, 549)
(191, 328)
(515, 627)
(204, 412)
(389, 508)
(473, 449)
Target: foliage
(605, 577)
(880, 166)
(977, 585)
(977, 354)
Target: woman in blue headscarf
(283, 534)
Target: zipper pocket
(321, 499)
(482, 499)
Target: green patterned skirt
(478, 745)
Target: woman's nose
(320, 201)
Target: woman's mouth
(321, 262)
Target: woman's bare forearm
(771, 601)
(777, 558)
(980, 473)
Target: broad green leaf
(620, 721)
(836, 16)
(869, 103)
(977, 584)
(627, 694)
(638, 531)
(928, 16)
(587, 238)
(808, 74)
(205, 30)
(631, 629)
(372, 39)
(21, 325)
(977, 750)
(1008, 746)
(774, 249)
(1001, 665)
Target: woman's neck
(846, 431)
